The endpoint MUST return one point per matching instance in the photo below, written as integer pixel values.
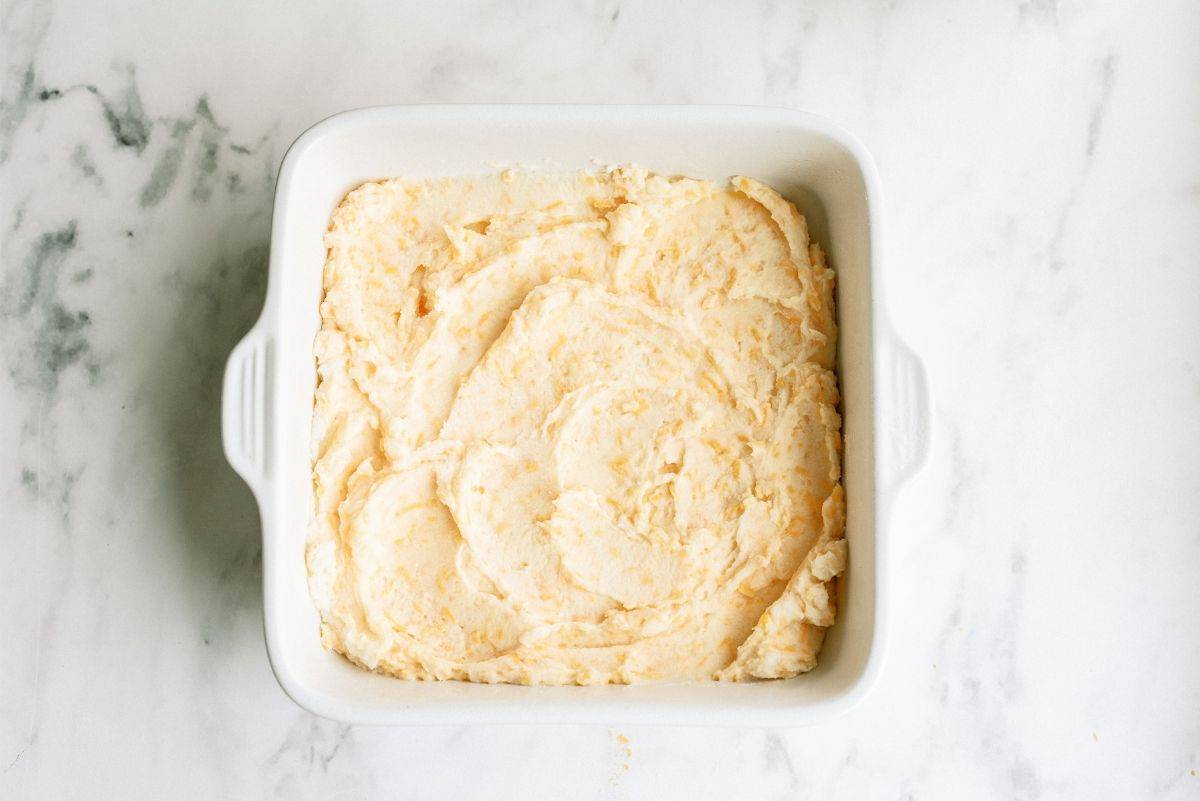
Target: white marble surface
(1041, 161)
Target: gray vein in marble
(1045, 11)
(976, 661)
(63, 485)
(162, 177)
(1107, 69)
(449, 75)
(13, 111)
(47, 253)
(782, 65)
(976, 649)
(124, 115)
(31, 296)
(61, 489)
(1010, 629)
(777, 758)
(874, 57)
(81, 159)
(960, 472)
(310, 747)
(207, 162)
(944, 646)
(23, 27)
(782, 72)
(166, 168)
(1024, 777)
(126, 118)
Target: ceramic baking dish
(271, 375)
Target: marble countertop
(1041, 163)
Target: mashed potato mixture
(575, 429)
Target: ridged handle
(904, 413)
(244, 400)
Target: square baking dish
(271, 375)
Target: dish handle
(904, 413)
(244, 401)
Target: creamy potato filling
(575, 428)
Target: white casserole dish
(270, 378)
